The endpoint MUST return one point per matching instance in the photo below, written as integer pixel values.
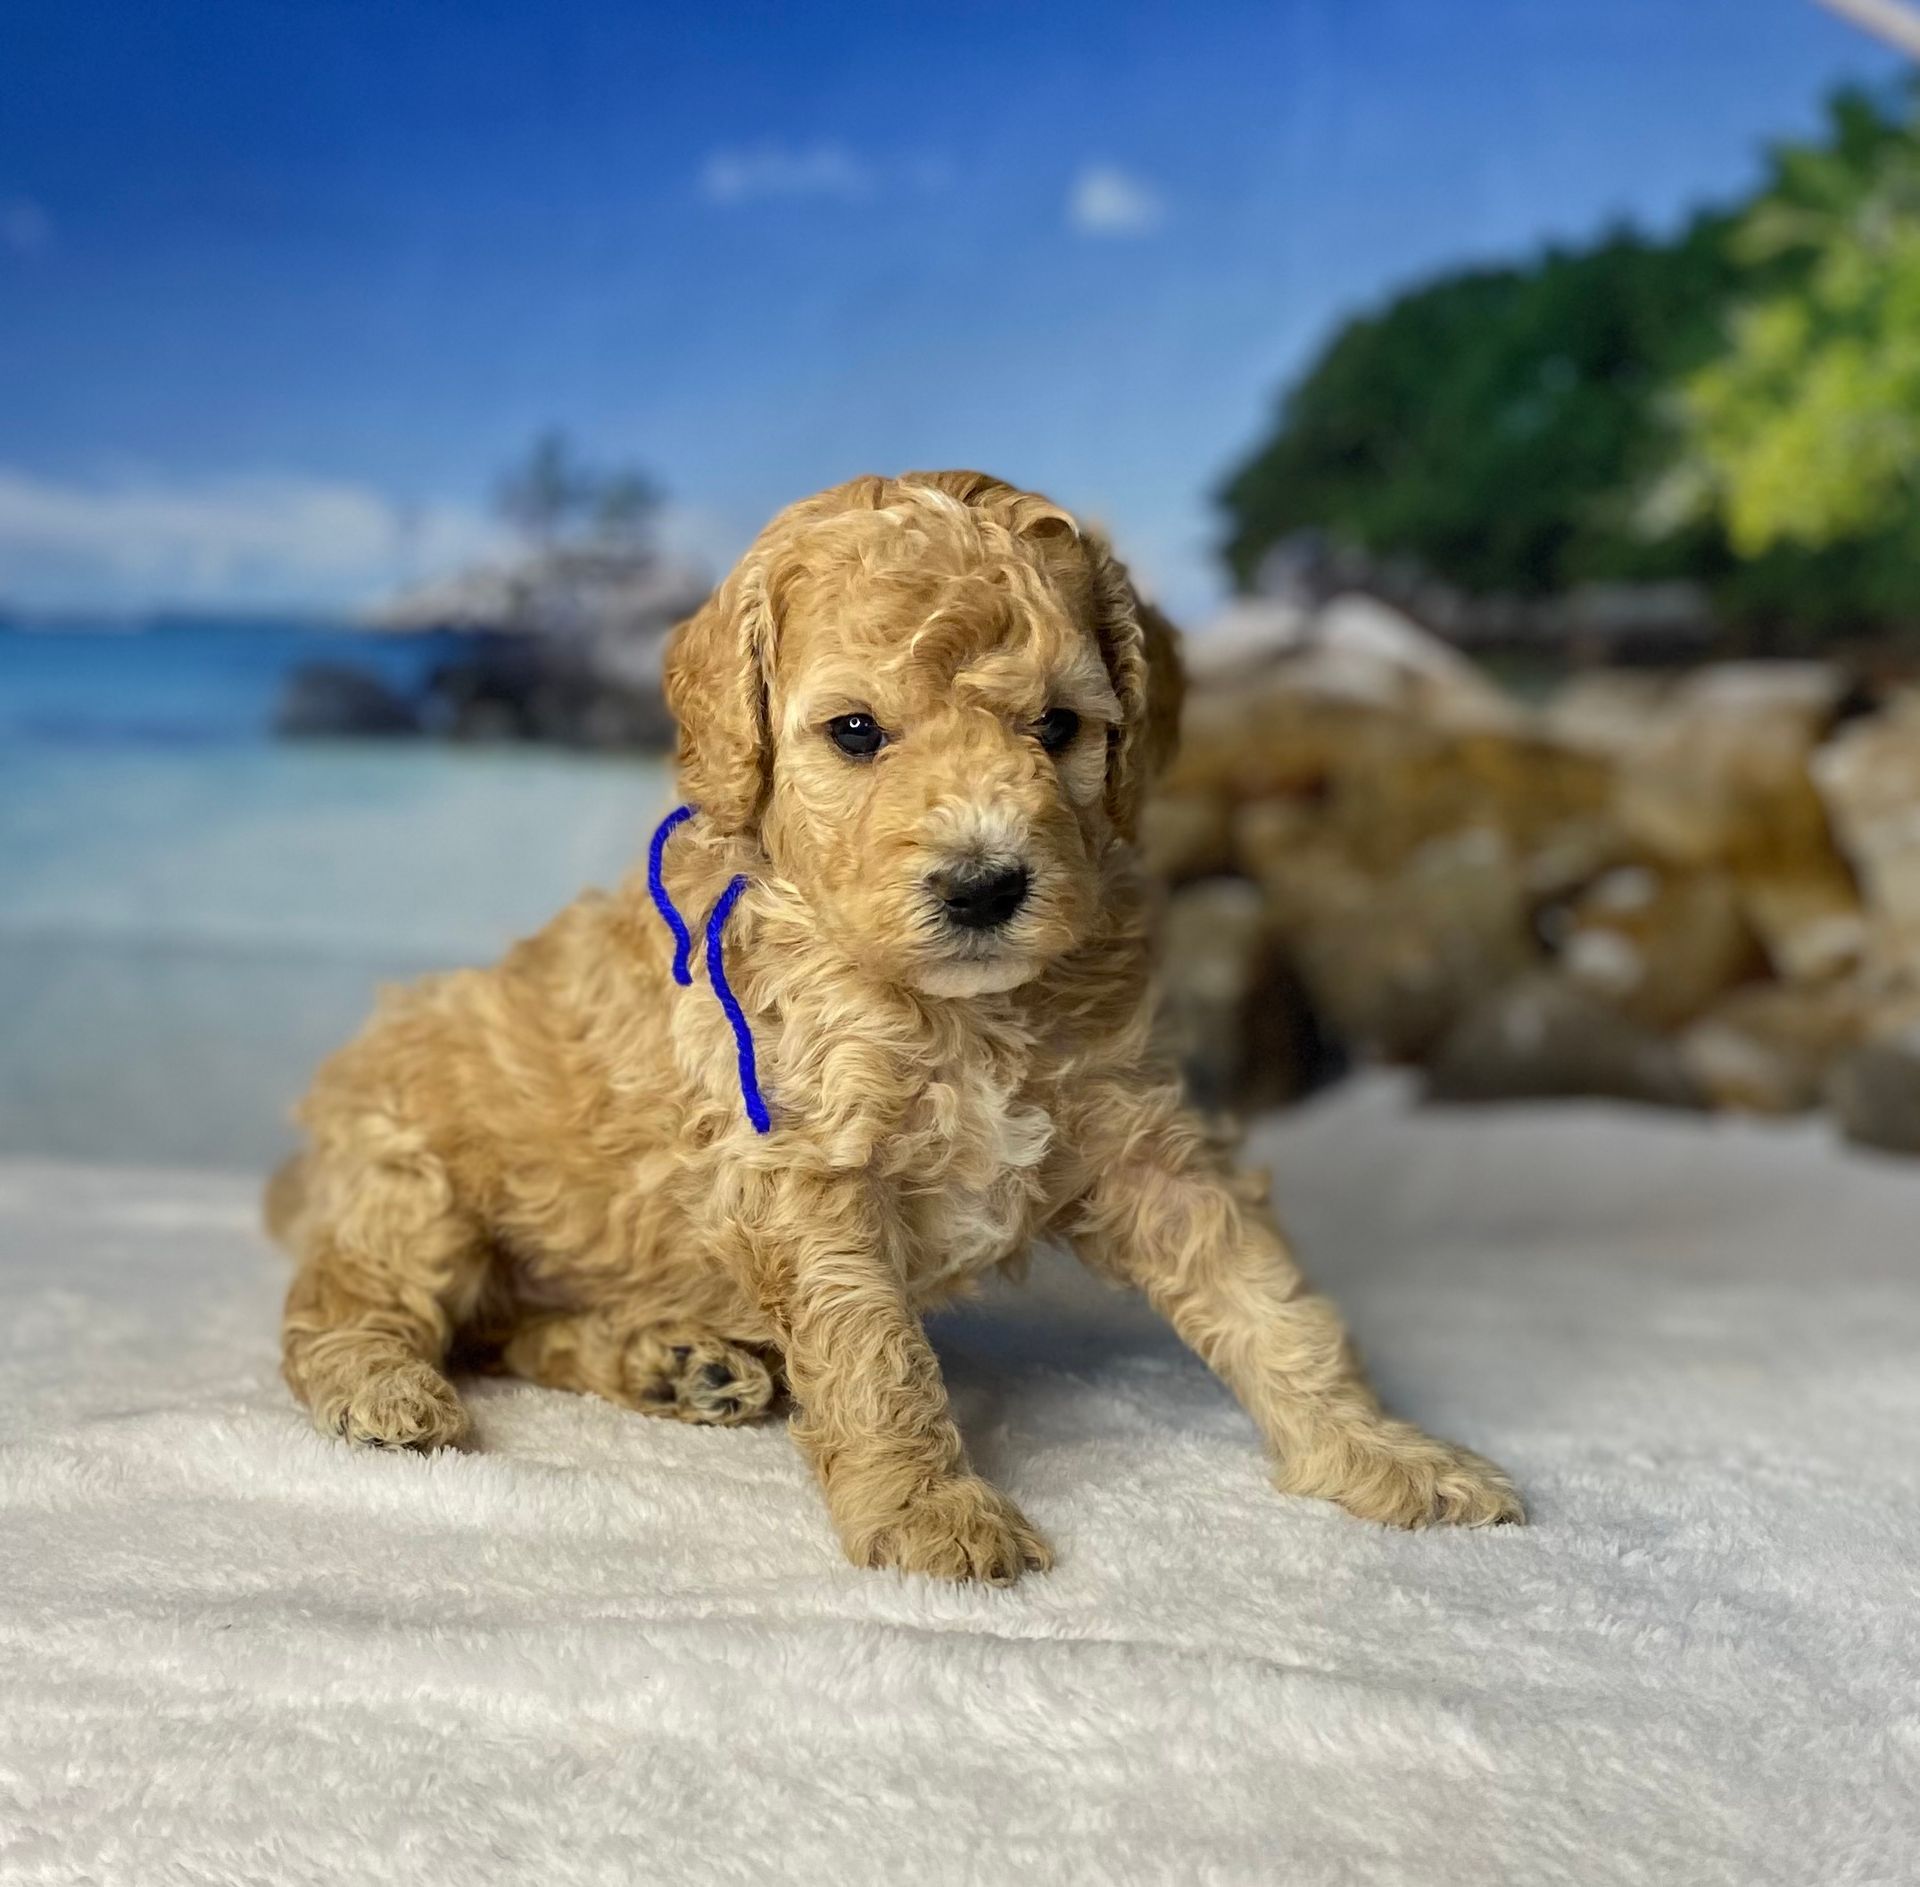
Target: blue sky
(283, 286)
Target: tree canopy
(1738, 403)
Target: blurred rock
(1184, 836)
(1768, 1049)
(1722, 778)
(1382, 784)
(1421, 785)
(1607, 711)
(1256, 742)
(1285, 700)
(1660, 946)
(1544, 1038)
(1646, 889)
(1722, 774)
(623, 594)
(1231, 1007)
(1353, 649)
(1570, 854)
(329, 700)
(1271, 837)
(1393, 963)
(1875, 1093)
(1869, 778)
(566, 644)
(1809, 923)
(518, 688)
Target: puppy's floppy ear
(716, 684)
(1141, 649)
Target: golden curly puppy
(916, 723)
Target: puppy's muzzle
(981, 896)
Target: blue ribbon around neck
(750, 1094)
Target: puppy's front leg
(871, 1409)
(1161, 1212)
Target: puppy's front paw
(1394, 1474)
(961, 1528)
(400, 1405)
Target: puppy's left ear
(1141, 649)
(716, 686)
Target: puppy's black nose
(981, 897)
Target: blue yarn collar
(750, 1094)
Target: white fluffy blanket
(604, 1649)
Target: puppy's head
(937, 701)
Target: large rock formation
(1693, 890)
(1235, 1013)
(562, 646)
(335, 700)
(1543, 1038)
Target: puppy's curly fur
(549, 1160)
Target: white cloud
(1106, 201)
(785, 171)
(256, 542)
(25, 226)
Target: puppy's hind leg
(373, 1304)
(683, 1371)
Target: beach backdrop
(377, 384)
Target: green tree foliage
(1805, 429)
(1739, 404)
(1492, 424)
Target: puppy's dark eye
(858, 736)
(1056, 728)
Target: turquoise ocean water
(191, 912)
(181, 680)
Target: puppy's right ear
(716, 683)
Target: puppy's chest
(973, 1185)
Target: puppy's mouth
(977, 975)
(973, 933)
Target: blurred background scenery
(1519, 405)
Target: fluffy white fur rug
(604, 1649)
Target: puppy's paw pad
(963, 1528)
(407, 1405)
(699, 1379)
